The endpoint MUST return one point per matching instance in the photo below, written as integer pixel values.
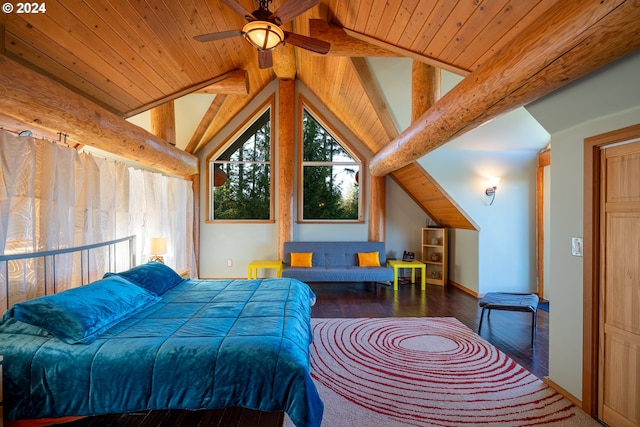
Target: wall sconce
(158, 248)
(491, 190)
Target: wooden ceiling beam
(377, 184)
(236, 82)
(568, 42)
(3, 20)
(373, 93)
(163, 122)
(399, 51)
(343, 44)
(426, 85)
(236, 85)
(39, 102)
(16, 126)
(284, 62)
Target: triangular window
(240, 175)
(330, 175)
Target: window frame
(346, 146)
(212, 157)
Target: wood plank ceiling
(129, 55)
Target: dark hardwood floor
(508, 331)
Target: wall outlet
(229, 263)
(576, 246)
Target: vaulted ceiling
(130, 56)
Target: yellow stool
(399, 264)
(252, 270)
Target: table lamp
(158, 247)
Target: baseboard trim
(563, 392)
(463, 288)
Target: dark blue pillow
(80, 315)
(153, 276)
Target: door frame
(544, 159)
(591, 260)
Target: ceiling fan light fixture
(263, 35)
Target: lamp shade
(158, 246)
(263, 35)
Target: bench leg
(533, 327)
(481, 317)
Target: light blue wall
(567, 175)
(505, 251)
(606, 100)
(405, 220)
(501, 257)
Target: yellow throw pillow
(368, 259)
(302, 259)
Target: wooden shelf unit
(435, 254)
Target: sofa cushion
(334, 254)
(301, 259)
(368, 259)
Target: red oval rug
(426, 372)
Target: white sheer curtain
(52, 197)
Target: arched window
(330, 187)
(240, 173)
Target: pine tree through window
(246, 194)
(330, 190)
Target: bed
(147, 339)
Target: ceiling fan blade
(217, 36)
(291, 9)
(239, 9)
(265, 59)
(308, 43)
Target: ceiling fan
(263, 29)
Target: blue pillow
(155, 277)
(80, 315)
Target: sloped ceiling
(130, 56)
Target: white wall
(404, 222)
(239, 242)
(504, 259)
(501, 257)
(606, 100)
(567, 174)
(464, 258)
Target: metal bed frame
(85, 261)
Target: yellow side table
(398, 264)
(252, 270)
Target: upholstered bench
(510, 302)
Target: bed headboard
(28, 275)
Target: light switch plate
(576, 246)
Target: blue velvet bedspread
(204, 345)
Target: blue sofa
(336, 262)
